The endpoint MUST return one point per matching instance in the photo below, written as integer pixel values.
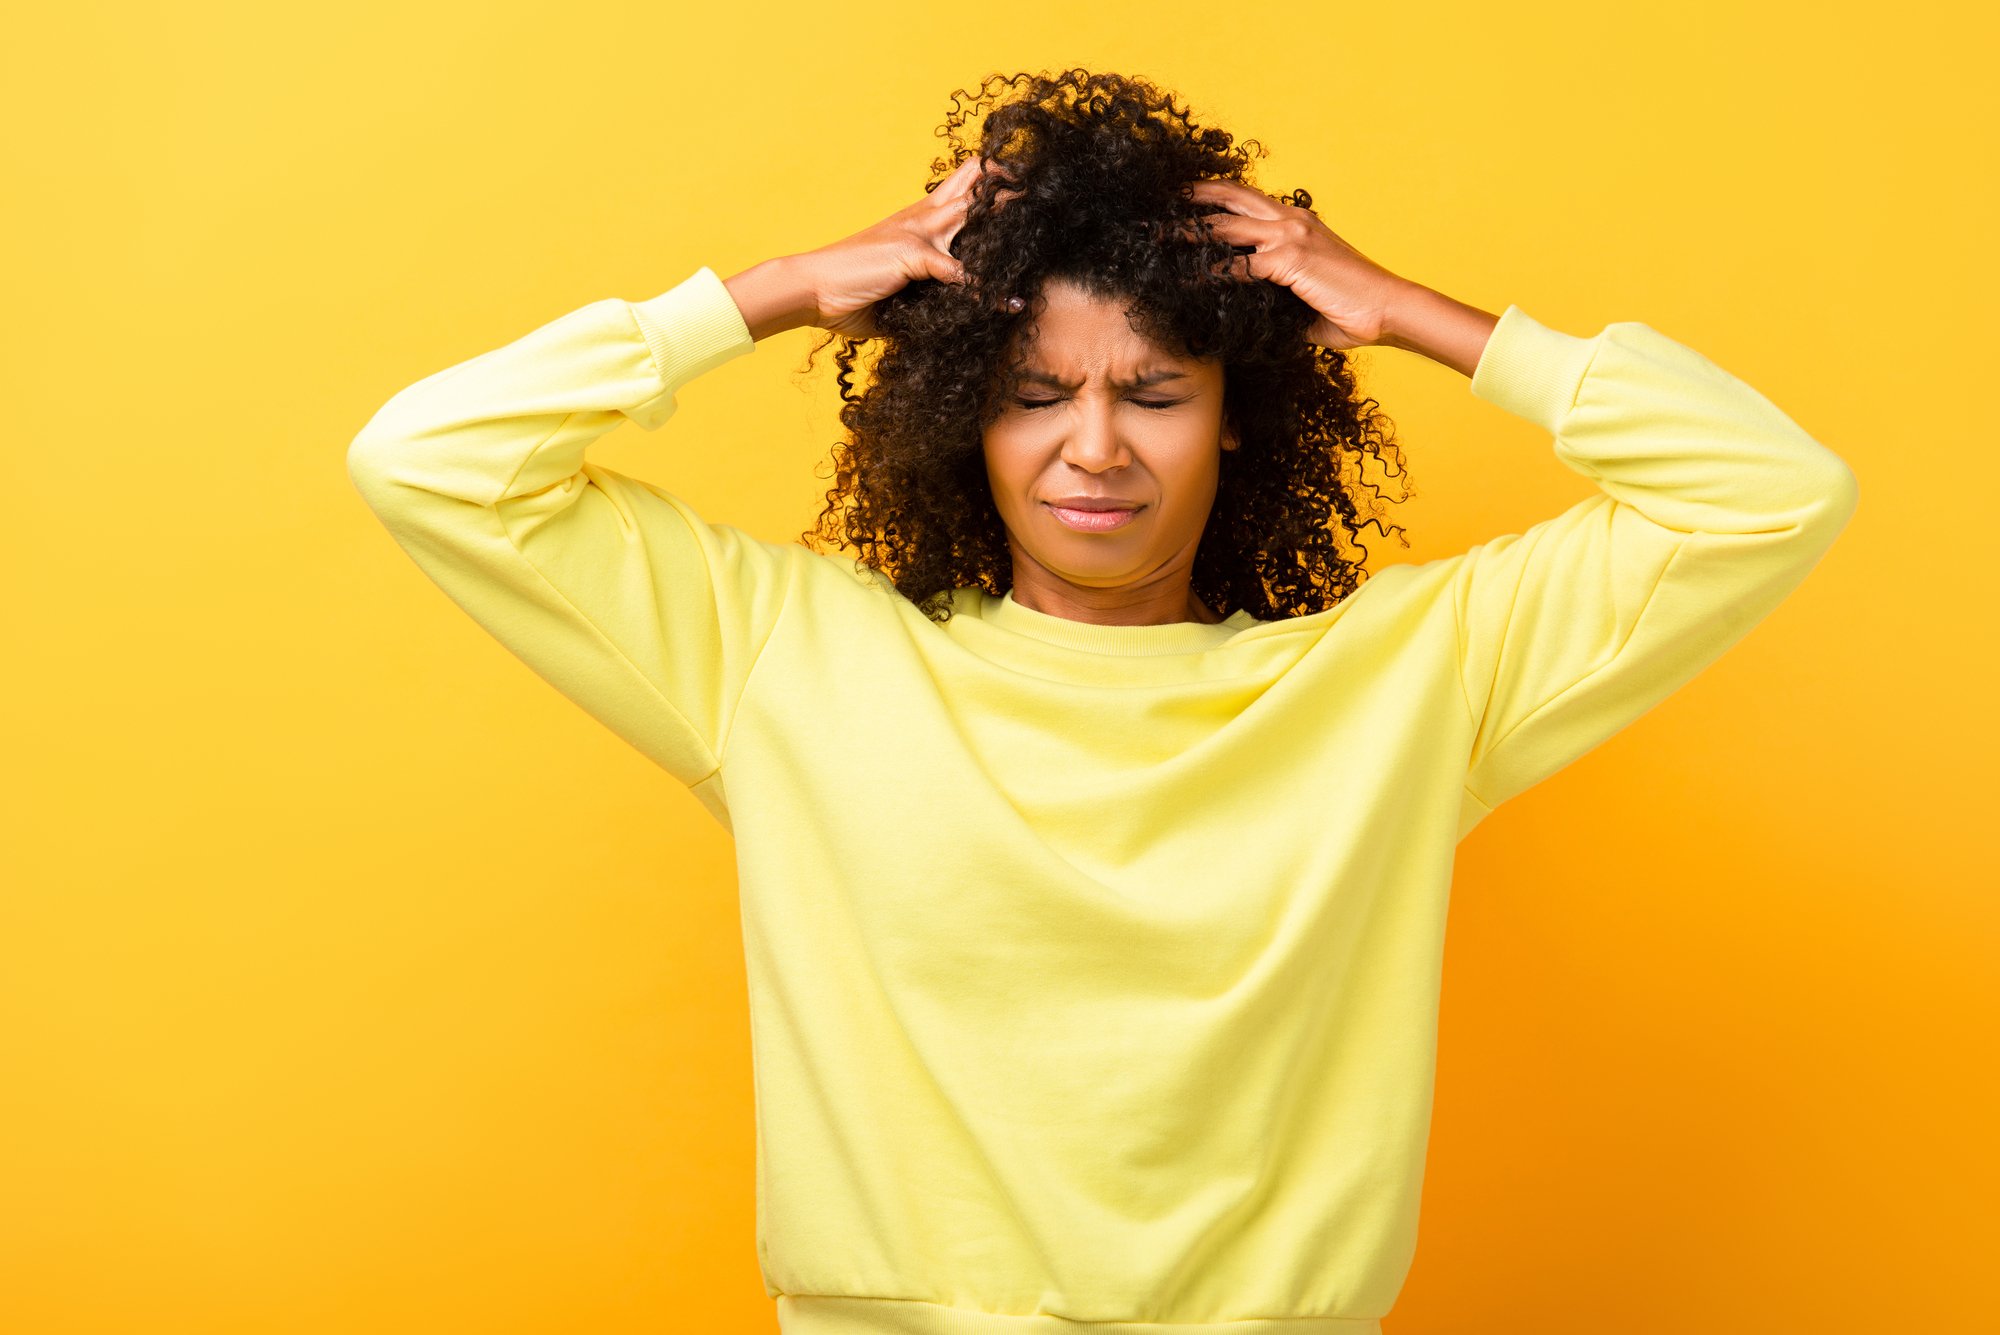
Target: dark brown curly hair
(1097, 167)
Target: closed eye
(1143, 403)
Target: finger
(949, 193)
(1223, 225)
(958, 185)
(940, 265)
(951, 214)
(1238, 266)
(1237, 197)
(960, 180)
(1000, 169)
(1235, 228)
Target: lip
(1093, 521)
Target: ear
(1229, 441)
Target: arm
(775, 295)
(614, 591)
(1426, 321)
(1712, 507)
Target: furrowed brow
(1136, 382)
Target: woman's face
(1104, 413)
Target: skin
(1094, 436)
(1086, 433)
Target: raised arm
(1712, 506)
(613, 590)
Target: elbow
(381, 470)
(1820, 491)
(1846, 491)
(1820, 514)
(407, 482)
(380, 456)
(1838, 496)
(1816, 505)
(364, 467)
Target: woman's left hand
(1353, 295)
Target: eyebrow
(1136, 382)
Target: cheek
(1193, 467)
(1007, 468)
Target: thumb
(943, 267)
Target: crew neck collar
(1174, 637)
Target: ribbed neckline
(1176, 637)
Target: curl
(1097, 167)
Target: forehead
(1075, 334)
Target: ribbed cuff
(692, 327)
(1531, 370)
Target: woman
(1093, 921)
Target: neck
(1126, 606)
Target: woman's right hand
(836, 286)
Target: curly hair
(1098, 168)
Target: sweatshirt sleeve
(614, 591)
(1712, 507)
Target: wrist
(1425, 321)
(1404, 315)
(774, 295)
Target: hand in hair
(1352, 294)
(849, 276)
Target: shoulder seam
(1608, 658)
(785, 601)
(623, 657)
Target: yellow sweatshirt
(1093, 970)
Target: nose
(1093, 443)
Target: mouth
(1093, 521)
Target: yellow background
(351, 979)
